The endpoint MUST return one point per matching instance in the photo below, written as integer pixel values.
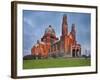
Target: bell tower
(64, 26)
(73, 32)
(64, 36)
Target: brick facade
(50, 45)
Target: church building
(51, 45)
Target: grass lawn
(58, 62)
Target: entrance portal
(73, 53)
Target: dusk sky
(35, 23)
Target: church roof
(50, 30)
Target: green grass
(58, 62)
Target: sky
(35, 23)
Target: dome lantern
(50, 30)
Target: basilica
(52, 46)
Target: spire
(73, 31)
(64, 25)
(73, 28)
(64, 19)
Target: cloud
(28, 21)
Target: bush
(54, 55)
(29, 57)
(85, 56)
